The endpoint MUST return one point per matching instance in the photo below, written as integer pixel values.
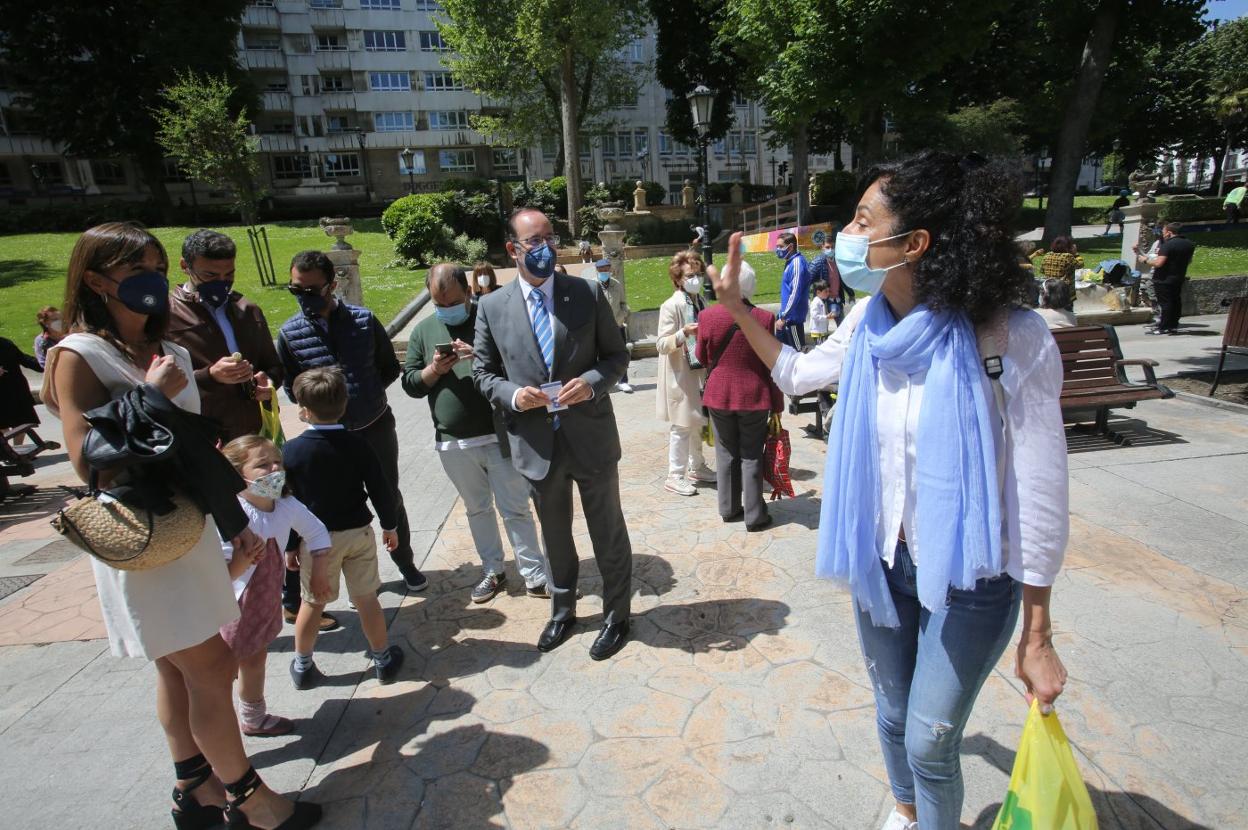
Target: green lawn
(1103, 202)
(1220, 254)
(32, 271)
(649, 284)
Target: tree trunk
(152, 169)
(1221, 174)
(1078, 118)
(872, 135)
(801, 180)
(571, 137)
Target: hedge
(1190, 210)
(425, 226)
(75, 217)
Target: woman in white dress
(116, 303)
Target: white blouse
(288, 514)
(1035, 510)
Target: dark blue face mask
(540, 261)
(144, 293)
(214, 293)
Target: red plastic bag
(776, 454)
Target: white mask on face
(57, 325)
(483, 281)
(693, 284)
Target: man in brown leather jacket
(214, 322)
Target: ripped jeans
(926, 675)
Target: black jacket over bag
(159, 446)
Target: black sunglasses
(306, 291)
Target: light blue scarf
(957, 514)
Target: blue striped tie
(541, 328)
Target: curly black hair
(967, 204)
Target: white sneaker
(680, 486)
(624, 387)
(703, 473)
(896, 821)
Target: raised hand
(725, 282)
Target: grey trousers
(739, 440)
(384, 440)
(600, 498)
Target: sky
(1227, 9)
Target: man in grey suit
(547, 329)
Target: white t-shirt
(288, 514)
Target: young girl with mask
(484, 280)
(51, 330)
(680, 376)
(257, 575)
(945, 505)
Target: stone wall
(1205, 296)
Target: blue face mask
(455, 315)
(214, 293)
(851, 261)
(540, 262)
(782, 253)
(144, 293)
(604, 276)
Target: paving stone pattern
(741, 701)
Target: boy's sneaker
(896, 821)
(680, 486)
(703, 473)
(413, 578)
(538, 591)
(387, 673)
(489, 587)
(306, 678)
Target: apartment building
(357, 105)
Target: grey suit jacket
(588, 345)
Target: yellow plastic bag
(1046, 789)
(271, 420)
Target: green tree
(1227, 47)
(211, 140)
(993, 129)
(90, 72)
(519, 52)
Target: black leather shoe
(555, 632)
(761, 524)
(610, 640)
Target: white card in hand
(552, 391)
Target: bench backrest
(1236, 333)
(1090, 356)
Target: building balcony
(260, 17)
(275, 101)
(27, 145)
(263, 59)
(327, 18)
(278, 143)
(338, 101)
(333, 60)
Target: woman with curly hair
(945, 494)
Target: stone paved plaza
(741, 701)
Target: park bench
(1094, 378)
(1234, 338)
(18, 459)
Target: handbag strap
(719, 353)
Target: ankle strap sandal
(304, 816)
(189, 814)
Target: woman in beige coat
(678, 397)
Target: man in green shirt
(439, 367)
(1234, 203)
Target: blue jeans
(926, 675)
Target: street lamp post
(702, 102)
(773, 177)
(407, 155)
(362, 138)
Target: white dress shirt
(1035, 508)
(227, 328)
(547, 288)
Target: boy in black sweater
(329, 469)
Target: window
(448, 120)
(457, 161)
(418, 164)
(550, 148)
(331, 43)
(47, 172)
(385, 41)
(325, 4)
(506, 162)
(262, 44)
(389, 81)
(428, 5)
(277, 85)
(266, 3)
(336, 83)
(283, 127)
(432, 42)
(107, 172)
(628, 98)
(740, 101)
(633, 52)
(442, 82)
(173, 173)
(393, 122)
(292, 167)
(379, 4)
(337, 124)
(624, 144)
(342, 164)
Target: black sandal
(189, 814)
(304, 816)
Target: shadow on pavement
(43, 503)
(1132, 433)
(1114, 808)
